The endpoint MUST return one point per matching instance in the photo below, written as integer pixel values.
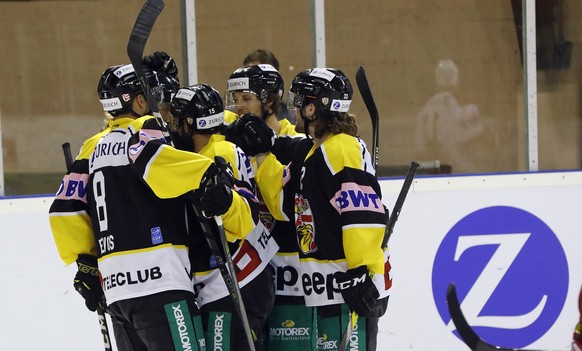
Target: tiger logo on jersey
(305, 238)
(304, 225)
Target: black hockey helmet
(258, 79)
(200, 106)
(117, 88)
(328, 88)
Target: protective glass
(162, 94)
(295, 101)
(173, 123)
(239, 98)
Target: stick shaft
(68, 156)
(399, 203)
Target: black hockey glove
(358, 290)
(87, 282)
(161, 62)
(214, 196)
(251, 134)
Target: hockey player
(198, 114)
(257, 90)
(330, 191)
(577, 337)
(261, 56)
(120, 214)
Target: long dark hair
(336, 123)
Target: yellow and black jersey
(286, 262)
(124, 201)
(251, 245)
(287, 128)
(331, 194)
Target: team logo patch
(325, 100)
(157, 235)
(125, 97)
(305, 226)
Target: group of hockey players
(145, 204)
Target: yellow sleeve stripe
(171, 173)
(238, 221)
(362, 246)
(73, 235)
(270, 177)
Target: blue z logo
(510, 271)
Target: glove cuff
(87, 264)
(353, 277)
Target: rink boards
(511, 243)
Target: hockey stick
(104, 328)
(135, 48)
(399, 202)
(100, 310)
(366, 94)
(220, 251)
(137, 41)
(68, 155)
(468, 335)
(389, 229)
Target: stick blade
(142, 28)
(467, 334)
(366, 94)
(365, 91)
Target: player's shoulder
(90, 144)
(219, 146)
(343, 150)
(229, 117)
(145, 122)
(342, 143)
